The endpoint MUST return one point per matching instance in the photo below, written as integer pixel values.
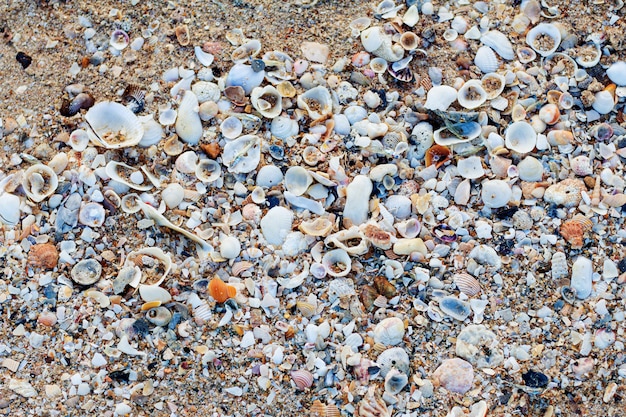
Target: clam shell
(472, 94)
(499, 42)
(471, 168)
(239, 267)
(440, 97)
(119, 39)
(617, 73)
(284, 127)
(393, 358)
(128, 175)
(243, 154)
(467, 284)
(79, 140)
(267, 100)
(39, 182)
(244, 76)
(409, 41)
(113, 126)
(129, 203)
(544, 38)
(320, 226)
(159, 316)
(520, 137)
(318, 409)
(337, 263)
(588, 55)
(208, 170)
(306, 309)
(486, 60)
(150, 293)
(86, 272)
(526, 54)
(231, 127)
(614, 200)
(372, 38)
(493, 84)
(297, 180)
(154, 263)
(389, 331)
(496, 193)
(316, 101)
(395, 381)
(409, 228)
(378, 65)
(302, 378)
(91, 214)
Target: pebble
(357, 199)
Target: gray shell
(393, 358)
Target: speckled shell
(376, 236)
(566, 193)
(559, 266)
(467, 284)
(302, 378)
(220, 291)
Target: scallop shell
(493, 84)
(499, 42)
(220, 291)
(297, 180)
(472, 94)
(243, 154)
(86, 272)
(337, 263)
(389, 331)
(302, 378)
(567, 193)
(467, 284)
(614, 200)
(240, 267)
(208, 170)
(320, 226)
(154, 263)
(317, 102)
(486, 60)
(284, 127)
(332, 411)
(267, 100)
(573, 230)
(125, 174)
(544, 38)
(159, 316)
(113, 126)
(43, 255)
(39, 182)
(318, 409)
(520, 137)
(588, 55)
(307, 309)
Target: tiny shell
(208, 170)
(243, 154)
(9, 209)
(159, 316)
(376, 236)
(86, 272)
(152, 293)
(549, 113)
(472, 94)
(119, 40)
(526, 54)
(221, 291)
(47, 318)
(307, 309)
(493, 84)
(393, 358)
(409, 41)
(467, 284)
(188, 123)
(297, 180)
(127, 175)
(182, 35)
(617, 73)
(302, 378)
(267, 101)
(455, 375)
(437, 155)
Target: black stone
(23, 59)
(535, 379)
(621, 265)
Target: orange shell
(221, 291)
(44, 255)
(437, 155)
(573, 232)
(318, 409)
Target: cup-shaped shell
(129, 203)
(243, 154)
(496, 193)
(526, 54)
(297, 180)
(560, 64)
(467, 284)
(486, 60)
(119, 39)
(472, 94)
(409, 41)
(378, 65)
(471, 168)
(159, 316)
(208, 170)
(520, 137)
(249, 49)
(220, 291)
(302, 378)
(39, 182)
(86, 272)
(493, 84)
(395, 381)
(588, 55)
(337, 263)
(409, 228)
(286, 89)
(549, 113)
(316, 101)
(389, 331)
(113, 126)
(91, 214)
(154, 263)
(544, 38)
(79, 140)
(128, 175)
(320, 226)
(441, 97)
(284, 127)
(267, 100)
(437, 155)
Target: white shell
(496, 193)
(39, 182)
(188, 123)
(440, 97)
(471, 167)
(243, 154)
(9, 209)
(297, 180)
(499, 42)
(371, 38)
(411, 16)
(79, 140)
(592, 55)
(486, 60)
(127, 175)
(337, 263)
(323, 103)
(389, 331)
(250, 49)
(244, 76)
(445, 138)
(617, 73)
(530, 169)
(378, 65)
(526, 54)
(231, 127)
(208, 170)
(284, 127)
(204, 58)
(276, 224)
(113, 126)
(91, 214)
(472, 94)
(493, 84)
(152, 131)
(153, 292)
(145, 257)
(520, 137)
(267, 101)
(395, 381)
(544, 29)
(603, 102)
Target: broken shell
(246, 51)
(471, 168)
(440, 97)
(316, 101)
(499, 42)
(125, 174)
(243, 154)
(496, 193)
(9, 209)
(320, 226)
(86, 272)
(389, 331)
(297, 180)
(113, 126)
(182, 35)
(267, 100)
(220, 291)
(544, 38)
(153, 293)
(128, 275)
(244, 76)
(493, 84)
(526, 54)
(588, 55)
(39, 182)
(614, 200)
(119, 40)
(286, 89)
(347, 240)
(486, 60)
(188, 123)
(91, 214)
(566, 193)
(154, 263)
(208, 170)
(467, 284)
(437, 155)
(376, 236)
(337, 263)
(409, 228)
(372, 406)
(409, 41)
(302, 378)
(129, 203)
(472, 94)
(395, 381)
(47, 318)
(520, 137)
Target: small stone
(83, 389)
(535, 379)
(357, 199)
(455, 375)
(247, 340)
(98, 360)
(582, 275)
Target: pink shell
(302, 378)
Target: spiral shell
(220, 291)
(302, 378)
(467, 284)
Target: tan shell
(467, 284)
(182, 35)
(44, 255)
(239, 267)
(566, 193)
(154, 263)
(614, 200)
(318, 409)
(573, 230)
(286, 89)
(377, 236)
(307, 309)
(384, 287)
(320, 226)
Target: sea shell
(152, 131)
(297, 180)
(409, 41)
(471, 168)
(479, 346)
(565, 193)
(472, 94)
(384, 287)
(455, 375)
(43, 255)
(244, 52)
(182, 35)
(530, 169)
(493, 84)
(499, 42)
(496, 193)
(440, 97)
(337, 263)
(47, 318)
(318, 409)
(614, 200)
(395, 381)
(244, 76)
(220, 291)
(588, 55)
(39, 182)
(154, 263)
(320, 226)
(208, 170)
(544, 38)
(520, 137)
(79, 140)
(119, 40)
(377, 236)
(603, 102)
(286, 89)
(91, 214)
(581, 165)
(231, 127)
(411, 16)
(379, 65)
(467, 284)
(559, 137)
(243, 154)
(574, 229)
(9, 209)
(409, 228)
(559, 268)
(159, 316)
(526, 54)
(188, 123)
(316, 101)
(393, 358)
(351, 240)
(128, 175)
(372, 406)
(306, 309)
(486, 60)
(549, 113)
(267, 100)
(129, 203)
(113, 126)
(389, 331)
(284, 127)
(437, 155)
(86, 272)
(302, 378)
(617, 73)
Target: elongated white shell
(113, 126)
(39, 182)
(243, 154)
(472, 94)
(204, 58)
(520, 137)
(9, 209)
(267, 100)
(188, 123)
(127, 175)
(486, 60)
(499, 43)
(440, 97)
(544, 30)
(316, 101)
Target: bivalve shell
(208, 170)
(467, 284)
(113, 126)
(440, 97)
(499, 42)
(243, 154)
(297, 180)
(220, 291)
(486, 60)
(617, 73)
(496, 193)
(91, 214)
(520, 137)
(188, 123)
(526, 54)
(395, 381)
(9, 209)
(471, 168)
(389, 331)
(267, 100)
(567, 193)
(472, 94)
(337, 263)
(588, 55)
(86, 272)
(128, 175)
(544, 38)
(320, 226)
(159, 316)
(152, 293)
(493, 84)
(393, 358)
(302, 378)
(317, 102)
(39, 182)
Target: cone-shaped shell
(267, 100)
(39, 182)
(302, 378)
(220, 291)
(113, 125)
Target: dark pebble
(535, 379)
(621, 265)
(23, 59)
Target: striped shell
(614, 200)
(202, 313)
(574, 229)
(467, 284)
(302, 378)
(380, 301)
(559, 266)
(307, 309)
(318, 409)
(373, 407)
(332, 411)
(240, 267)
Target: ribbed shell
(573, 230)
(332, 411)
(380, 301)
(318, 409)
(559, 266)
(307, 309)
(499, 42)
(302, 378)
(240, 267)
(467, 284)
